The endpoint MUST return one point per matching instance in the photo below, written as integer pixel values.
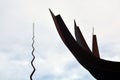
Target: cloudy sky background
(53, 60)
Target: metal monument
(99, 68)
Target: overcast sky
(53, 60)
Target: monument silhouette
(99, 68)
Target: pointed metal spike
(51, 12)
(95, 49)
(80, 39)
(75, 27)
(75, 23)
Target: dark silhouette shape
(95, 47)
(99, 68)
(31, 75)
(80, 39)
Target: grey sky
(53, 60)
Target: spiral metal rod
(33, 49)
